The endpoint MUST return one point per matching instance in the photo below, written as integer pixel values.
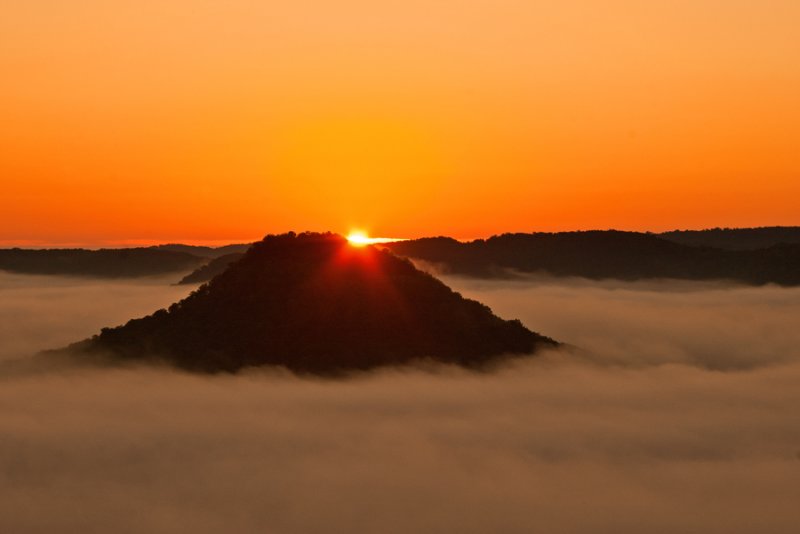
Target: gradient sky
(195, 120)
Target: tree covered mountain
(211, 269)
(736, 238)
(604, 254)
(205, 252)
(313, 303)
(105, 263)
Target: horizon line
(215, 243)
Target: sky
(207, 121)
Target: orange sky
(196, 120)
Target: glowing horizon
(164, 121)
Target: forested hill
(605, 254)
(313, 303)
(205, 252)
(211, 269)
(736, 238)
(105, 263)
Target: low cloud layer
(679, 415)
(46, 312)
(712, 325)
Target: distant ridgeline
(315, 304)
(111, 263)
(205, 252)
(106, 263)
(736, 238)
(211, 269)
(748, 255)
(606, 254)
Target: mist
(717, 325)
(675, 410)
(40, 312)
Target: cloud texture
(680, 414)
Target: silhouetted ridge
(211, 269)
(106, 263)
(204, 252)
(605, 254)
(313, 303)
(736, 238)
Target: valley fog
(714, 325)
(677, 411)
(43, 312)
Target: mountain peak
(313, 303)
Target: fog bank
(708, 324)
(682, 418)
(42, 312)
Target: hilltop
(313, 303)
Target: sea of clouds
(677, 409)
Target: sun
(359, 238)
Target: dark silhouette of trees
(205, 252)
(211, 269)
(121, 262)
(107, 263)
(313, 303)
(736, 238)
(605, 254)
